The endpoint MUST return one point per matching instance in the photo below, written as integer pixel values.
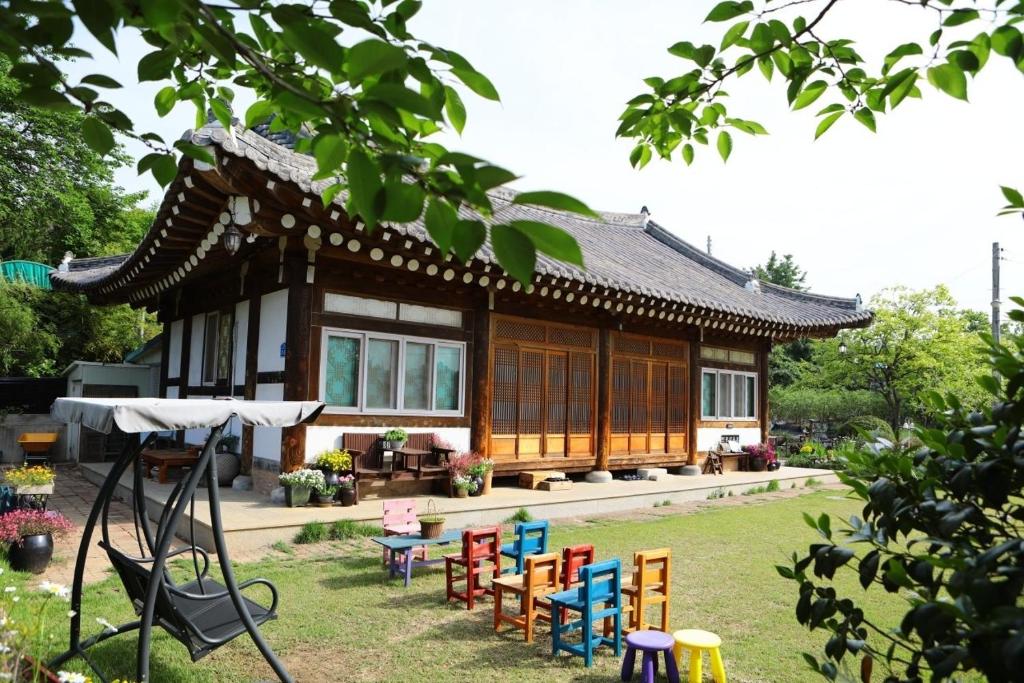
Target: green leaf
(364, 183)
(1012, 195)
(258, 112)
(826, 123)
(98, 16)
(455, 109)
(1006, 41)
(400, 97)
(552, 241)
(767, 67)
(372, 57)
(724, 11)
(688, 153)
(164, 169)
(156, 66)
(949, 79)
(905, 50)
(165, 100)
(194, 151)
(222, 112)
(101, 81)
(724, 145)
(330, 151)
(554, 200)
(403, 201)
(809, 94)
(441, 221)
(97, 135)
(478, 83)
(865, 116)
(901, 91)
(468, 238)
(960, 15)
(515, 252)
(734, 33)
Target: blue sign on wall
(282, 349)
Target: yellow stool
(696, 641)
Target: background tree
(787, 361)
(782, 271)
(26, 349)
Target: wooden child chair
(480, 556)
(531, 539)
(650, 587)
(599, 597)
(540, 578)
(574, 557)
(400, 520)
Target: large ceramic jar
(32, 554)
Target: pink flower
(18, 523)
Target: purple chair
(650, 643)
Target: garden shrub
(520, 515)
(857, 427)
(311, 532)
(344, 529)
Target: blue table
(397, 545)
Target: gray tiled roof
(622, 251)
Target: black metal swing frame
(202, 614)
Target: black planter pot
(331, 478)
(347, 496)
(758, 463)
(32, 554)
(773, 465)
(479, 487)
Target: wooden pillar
(165, 346)
(252, 345)
(480, 382)
(296, 359)
(604, 399)
(693, 420)
(186, 352)
(762, 390)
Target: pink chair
(400, 520)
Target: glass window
(724, 395)
(751, 397)
(417, 376)
(739, 403)
(381, 373)
(707, 405)
(448, 378)
(341, 381)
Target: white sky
(912, 205)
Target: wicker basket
(431, 524)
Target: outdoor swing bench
(202, 614)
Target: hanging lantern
(232, 239)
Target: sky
(913, 205)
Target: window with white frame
(728, 395)
(370, 372)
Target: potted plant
(432, 523)
(463, 485)
(325, 495)
(347, 490)
(760, 455)
(35, 480)
(228, 443)
(482, 470)
(29, 535)
(299, 484)
(395, 439)
(332, 463)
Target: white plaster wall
(195, 358)
(266, 441)
(172, 392)
(174, 348)
(273, 324)
(241, 339)
(319, 439)
(708, 437)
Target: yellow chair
(650, 587)
(696, 641)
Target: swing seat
(200, 614)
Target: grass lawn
(340, 619)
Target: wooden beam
(296, 358)
(604, 399)
(762, 390)
(480, 382)
(252, 345)
(693, 413)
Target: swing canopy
(134, 415)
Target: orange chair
(650, 587)
(540, 578)
(481, 554)
(399, 520)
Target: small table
(163, 459)
(412, 459)
(404, 544)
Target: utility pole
(995, 291)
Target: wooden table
(412, 459)
(397, 545)
(163, 459)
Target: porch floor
(251, 521)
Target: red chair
(481, 555)
(574, 557)
(400, 520)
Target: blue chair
(531, 539)
(598, 598)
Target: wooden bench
(418, 459)
(714, 463)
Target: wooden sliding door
(648, 395)
(543, 397)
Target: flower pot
(758, 463)
(347, 495)
(296, 496)
(479, 487)
(393, 445)
(324, 500)
(486, 488)
(34, 490)
(32, 554)
(331, 478)
(773, 465)
(431, 529)
(461, 493)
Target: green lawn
(339, 614)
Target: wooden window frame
(364, 337)
(717, 416)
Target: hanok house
(646, 358)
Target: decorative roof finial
(753, 284)
(859, 302)
(64, 263)
(645, 215)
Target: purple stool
(650, 643)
